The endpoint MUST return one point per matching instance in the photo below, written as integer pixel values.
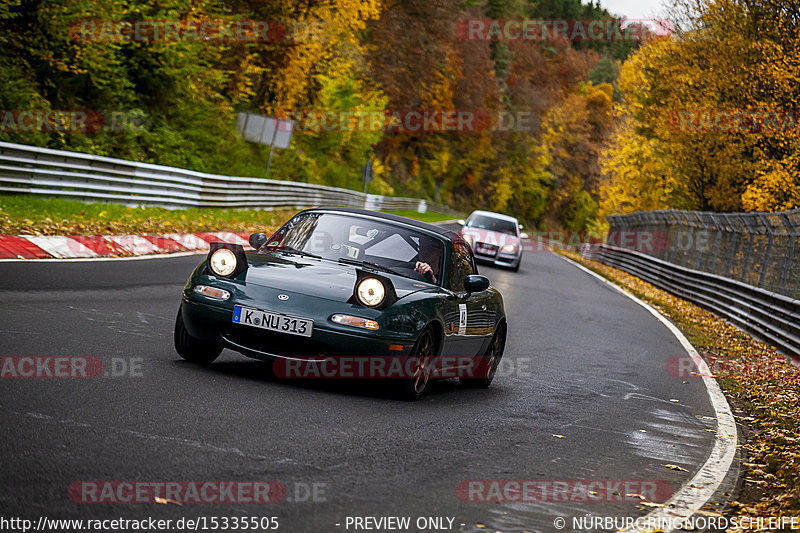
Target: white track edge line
(696, 492)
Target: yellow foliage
(340, 22)
(730, 58)
(775, 188)
(502, 190)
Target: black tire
(516, 268)
(490, 360)
(424, 350)
(191, 348)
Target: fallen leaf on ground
(165, 501)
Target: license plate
(281, 323)
(485, 248)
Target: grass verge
(35, 215)
(32, 215)
(762, 386)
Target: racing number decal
(462, 319)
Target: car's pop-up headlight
(226, 260)
(371, 292)
(222, 262)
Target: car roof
(448, 234)
(494, 215)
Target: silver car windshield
(493, 224)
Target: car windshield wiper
(374, 266)
(289, 250)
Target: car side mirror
(476, 283)
(524, 235)
(521, 226)
(257, 240)
(461, 222)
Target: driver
(429, 258)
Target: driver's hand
(424, 268)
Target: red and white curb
(90, 246)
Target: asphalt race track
(582, 361)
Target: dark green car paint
(319, 288)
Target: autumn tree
(693, 119)
(531, 150)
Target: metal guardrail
(33, 170)
(759, 249)
(771, 317)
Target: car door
(467, 329)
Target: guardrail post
(690, 233)
(768, 251)
(702, 230)
(749, 250)
(787, 262)
(668, 226)
(734, 245)
(718, 232)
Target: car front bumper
(214, 324)
(500, 260)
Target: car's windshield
(492, 223)
(359, 240)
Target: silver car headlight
(509, 249)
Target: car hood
(316, 277)
(489, 237)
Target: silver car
(495, 238)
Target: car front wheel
(422, 355)
(191, 348)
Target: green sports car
(339, 292)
